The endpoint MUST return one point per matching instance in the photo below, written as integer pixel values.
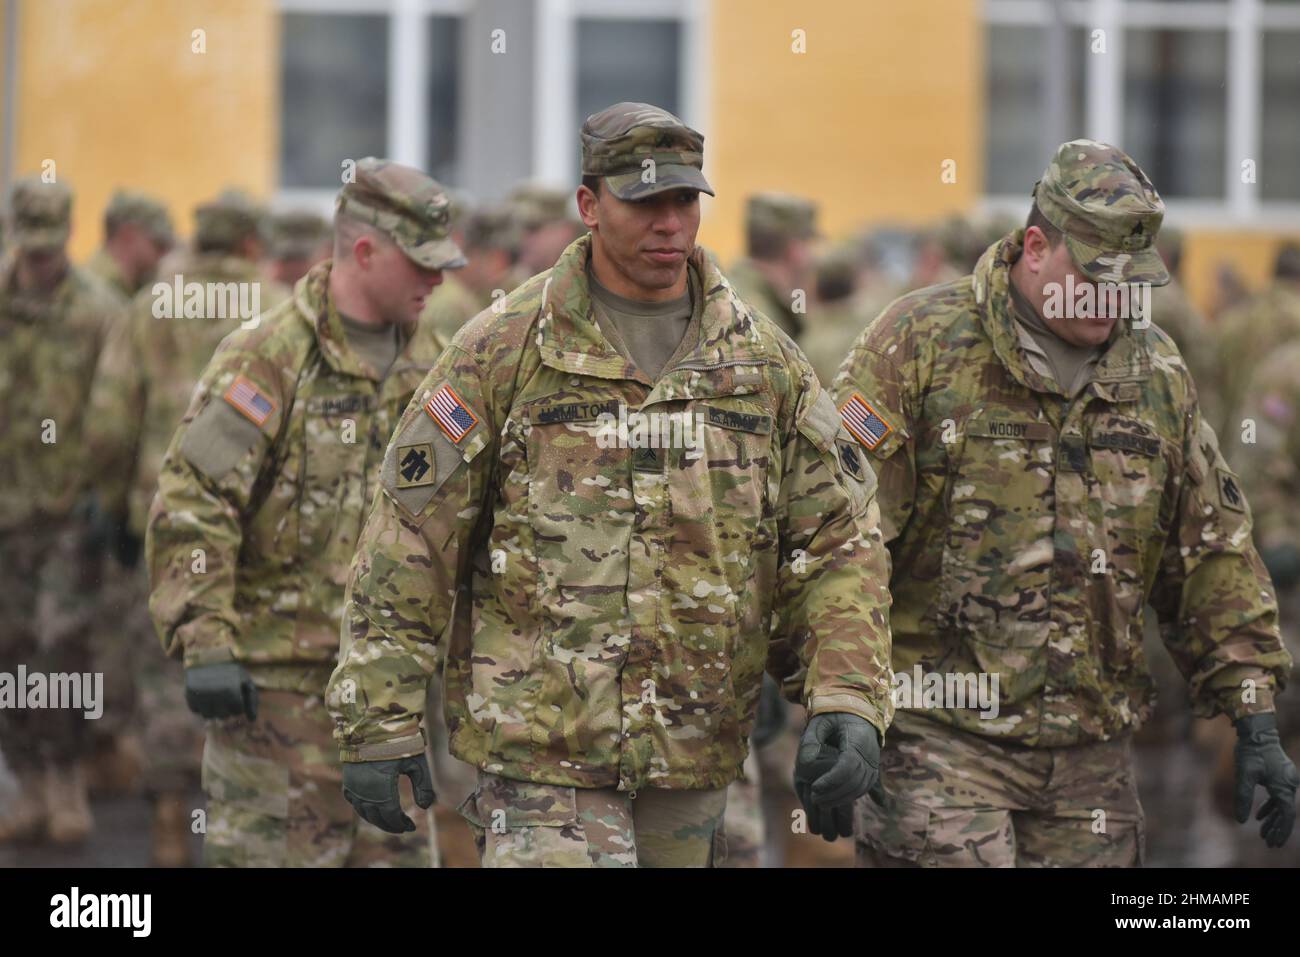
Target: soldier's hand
(838, 762)
(224, 690)
(1261, 760)
(371, 788)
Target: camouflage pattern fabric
(275, 796)
(954, 799)
(621, 598)
(1028, 531)
(1199, 344)
(449, 307)
(269, 475)
(1248, 334)
(105, 268)
(642, 150)
(524, 824)
(754, 288)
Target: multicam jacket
(1028, 531)
(264, 488)
(618, 605)
(146, 377)
(48, 348)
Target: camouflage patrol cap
(224, 222)
(297, 234)
(780, 214)
(408, 206)
(1107, 209)
(127, 206)
(491, 228)
(40, 213)
(618, 141)
(532, 205)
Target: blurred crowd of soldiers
(117, 383)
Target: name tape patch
(867, 425)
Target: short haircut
(1036, 218)
(348, 229)
(592, 182)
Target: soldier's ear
(588, 200)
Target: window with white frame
(1204, 94)
(366, 78)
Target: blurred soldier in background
(546, 224)
(146, 375)
(491, 247)
(835, 319)
(137, 234)
(1248, 332)
(1196, 339)
(1270, 469)
(776, 271)
(261, 498)
(54, 317)
(298, 240)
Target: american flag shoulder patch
(249, 400)
(867, 425)
(452, 415)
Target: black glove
(224, 690)
(772, 714)
(371, 788)
(838, 762)
(1261, 760)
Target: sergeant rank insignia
(866, 424)
(415, 465)
(452, 415)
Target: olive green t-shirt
(1071, 365)
(378, 345)
(649, 333)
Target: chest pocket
(333, 498)
(1131, 464)
(997, 556)
(581, 511)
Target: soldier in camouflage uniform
(1035, 498)
(779, 234)
(542, 215)
(137, 234)
(54, 317)
(1250, 331)
(298, 240)
(261, 498)
(616, 596)
(491, 248)
(145, 378)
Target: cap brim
(629, 186)
(40, 238)
(435, 254)
(1105, 265)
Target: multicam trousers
(275, 795)
(955, 799)
(523, 824)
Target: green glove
(838, 762)
(371, 788)
(224, 690)
(1261, 760)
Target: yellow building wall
(113, 92)
(861, 122)
(1251, 254)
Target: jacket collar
(314, 307)
(570, 339)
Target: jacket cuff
(215, 655)
(824, 703)
(407, 747)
